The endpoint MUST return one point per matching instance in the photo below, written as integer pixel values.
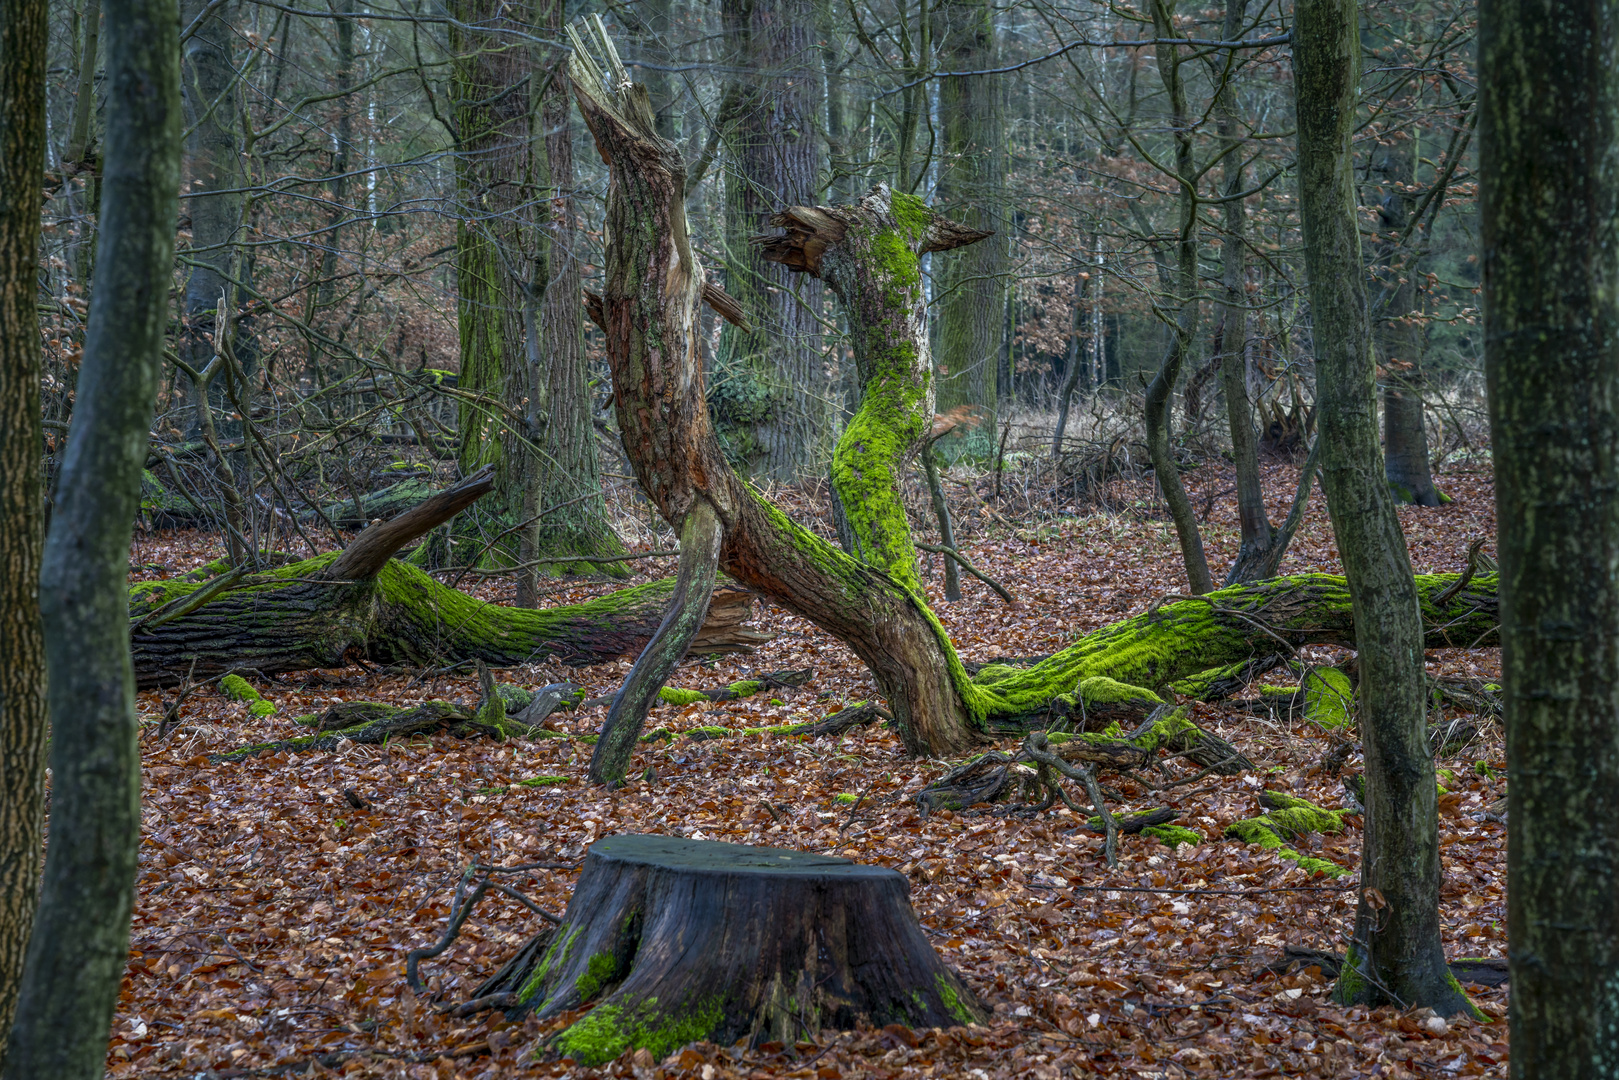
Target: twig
(458, 915)
(1213, 892)
(1460, 583)
(940, 549)
(526, 902)
(1038, 748)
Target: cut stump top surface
(716, 857)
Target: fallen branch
(961, 560)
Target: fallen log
(361, 603)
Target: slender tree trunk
(1396, 954)
(769, 393)
(1257, 535)
(971, 287)
(79, 156)
(211, 173)
(24, 30)
(80, 944)
(1550, 216)
(1400, 334)
(1070, 381)
(1184, 300)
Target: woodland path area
(279, 895)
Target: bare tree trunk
(971, 287)
(566, 472)
(80, 945)
(24, 33)
(493, 171)
(1184, 301)
(1550, 217)
(212, 177)
(769, 393)
(1400, 338)
(1257, 535)
(1396, 953)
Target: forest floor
(273, 918)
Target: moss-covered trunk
(1396, 954)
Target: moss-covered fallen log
(1210, 638)
(362, 603)
(294, 618)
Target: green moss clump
(1195, 686)
(1329, 700)
(1101, 690)
(1277, 691)
(597, 974)
(845, 797)
(709, 731)
(611, 1029)
(1173, 835)
(556, 955)
(911, 214)
(672, 695)
(745, 688)
(237, 688)
(1291, 817)
(542, 781)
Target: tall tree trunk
(1395, 954)
(493, 175)
(971, 287)
(769, 393)
(24, 30)
(79, 156)
(1257, 535)
(1550, 216)
(1400, 337)
(212, 177)
(566, 481)
(1184, 302)
(80, 944)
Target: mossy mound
(1289, 820)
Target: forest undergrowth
(279, 895)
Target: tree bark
(768, 396)
(1400, 334)
(680, 940)
(700, 537)
(1396, 954)
(1550, 214)
(80, 945)
(493, 173)
(971, 287)
(1257, 535)
(566, 471)
(213, 199)
(24, 33)
(1184, 302)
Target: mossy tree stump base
(679, 940)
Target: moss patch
(239, 689)
(1329, 700)
(597, 974)
(611, 1029)
(1173, 835)
(671, 695)
(1290, 818)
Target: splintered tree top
(712, 856)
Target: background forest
(1026, 432)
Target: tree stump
(679, 940)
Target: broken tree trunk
(675, 941)
(870, 252)
(361, 602)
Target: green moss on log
(1329, 700)
(1173, 835)
(1290, 819)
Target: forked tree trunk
(1396, 954)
